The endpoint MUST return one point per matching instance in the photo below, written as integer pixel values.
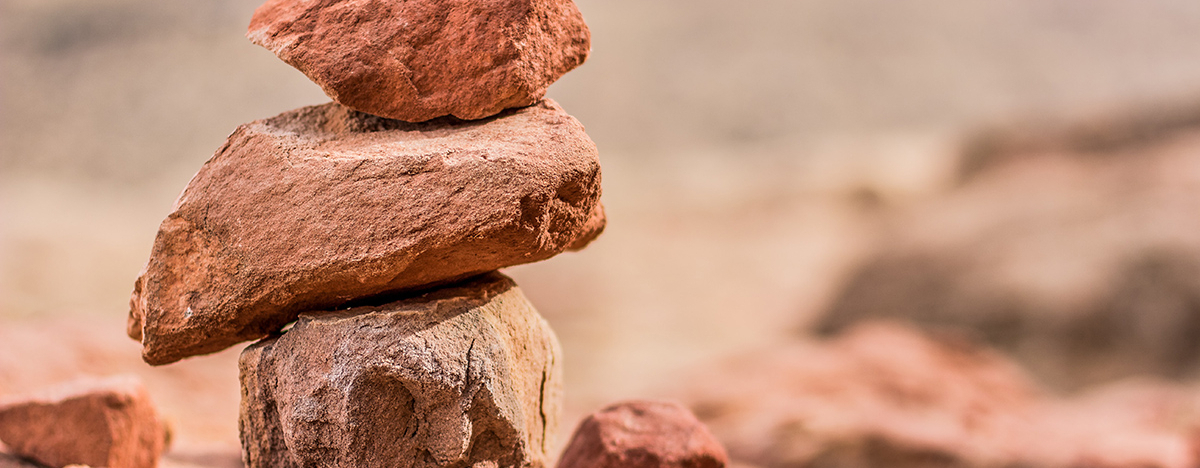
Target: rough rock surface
(415, 61)
(884, 396)
(96, 422)
(324, 205)
(643, 434)
(467, 375)
(1083, 265)
(11, 461)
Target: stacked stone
(375, 225)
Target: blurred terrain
(1083, 263)
(1008, 167)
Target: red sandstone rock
(323, 205)
(886, 396)
(467, 375)
(643, 434)
(417, 60)
(104, 423)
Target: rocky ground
(768, 171)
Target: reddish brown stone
(643, 434)
(104, 423)
(324, 205)
(419, 60)
(462, 376)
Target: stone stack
(374, 226)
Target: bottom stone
(467, 375)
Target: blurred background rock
(1025, 170)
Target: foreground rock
(324, 205)
(467, 375)
(1085, 266)
(416, 61)
(885, 396)
(103, 423)
(643, 434)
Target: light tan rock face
(1085, 266)
(467, 375)
(886, 396)
(416, 61)
(323, 205)
(96, 422)
(643, 434)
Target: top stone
(418, 60)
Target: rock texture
(10, 461)
(103, 423)
(1083, 265)
(415, 61)
(323, 205)
(643, 434)
(467, 375)
(885, 396)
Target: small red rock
(97, 422)
(643, 434)
(324, 205)
(418, 60)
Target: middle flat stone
(323, 205)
